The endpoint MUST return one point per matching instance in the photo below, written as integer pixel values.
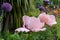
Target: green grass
(58, 28)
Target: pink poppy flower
(48, 19)
(33, 24)
(22, 29)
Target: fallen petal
(22, 30)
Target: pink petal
(52, 20)
(22, 30)
(43, 29)
(42, 17)
(34, 24)
(37, 29)
(26, 20)
(48, 19)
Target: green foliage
(58, 29)
(58, 2)
(0, 22)
(40, 2)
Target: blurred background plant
(27, 7)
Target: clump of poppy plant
(37, 24)
(7, 7)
